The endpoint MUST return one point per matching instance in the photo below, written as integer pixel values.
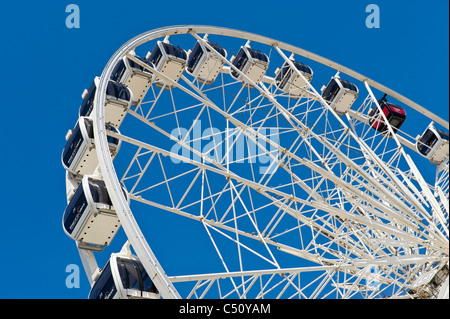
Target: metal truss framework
(315, 205)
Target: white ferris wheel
(279, 173)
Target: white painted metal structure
(294, 201)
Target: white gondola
(118, 101)
(169, 60)
(133, 76)
(340, 94)
(123, 277)
(90, 218)
(433, 144)
(252, 63)
(289, 81)
(395, 115)
(79, 155)
(203, 64)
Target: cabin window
(75, 210)
(426, 142)
(218, 48)
(194, 57)
(302, 67)
(174, 51)
(394, 114)
(239, 61)
(331, 91)
(283, 75)
(104, 287)
(134, 276)
(110, 139)
(88, 102)
(443, 135)
(283, 72)
(348, 85)
(129, 274)
(89, 127)
(72, 146)
(137, 66)
(156, 56)
(99, 192)
(396, 122)
(147, 282)
(118, 71)
(118, 91)
(258, 55)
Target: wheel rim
(356, 251)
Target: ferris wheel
(279, 173)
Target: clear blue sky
(46, 66)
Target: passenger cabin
(169, 60)
(395, 116)
(118, 101)
(290, 81)
(90, 218)
(133, 76)
(203, 64)
(123, 277)
(79, 155)
(252, 63)
(340, 94)
(433, 144)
